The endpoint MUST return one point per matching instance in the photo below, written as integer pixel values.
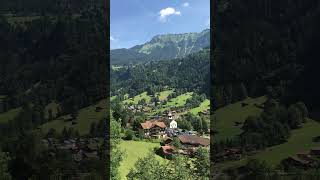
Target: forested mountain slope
(190, 73)
(271, 49)
(46, 60)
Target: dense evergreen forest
(32, 7)
(190, 73)
(50, 51)
(267, 48)
(274, 44)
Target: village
(166, 129)
(81, 149)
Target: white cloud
(112, 38)
(186, 4)
(164, 13)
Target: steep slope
(163, 47)
(189, 73)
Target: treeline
(271, 127)
(190, 122)
(191, 73)
(39, 7)
(266, 43)
(46, 60)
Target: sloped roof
(167, 149)
(151, 124)
(195, 140)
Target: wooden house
(153, 128)
(315, 151)
(193, 141)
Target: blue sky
(135, 22)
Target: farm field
(205, 105)
(9, 115)
(86, 116)
(137, 98)
(299, 141)
(163, 95)
(133, 151)
(224, 118)
(178, 101)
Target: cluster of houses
(157, 128)
(137, 108)
(229, 154)
(81, 148)
(305, 160)
(189, 145)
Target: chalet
(298, 162)
(153, 128)
(315, 151)
(304, 155)
(193, 141)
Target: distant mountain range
(162, 47)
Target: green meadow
(133, 151)
(224, 118)
(9, 115)
(299, 141)
(85, 117)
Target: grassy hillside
(178, 101)
(137, 98)
(134, 150)
(205, 105)
(163, 95)
(225, 117)
(6, 116)
(85, 117)
(300, 141)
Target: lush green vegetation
(133, 151)
(205, 105)
(225, 118)
(86, 116)
(188, 74)
(52, 56)
(137, 98)
(301, 140)
(9, 115)
(180, 167)
(163, 95)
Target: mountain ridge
(162, 47)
